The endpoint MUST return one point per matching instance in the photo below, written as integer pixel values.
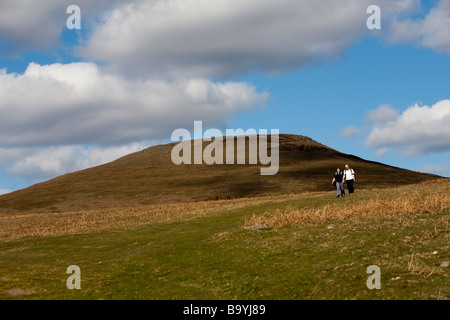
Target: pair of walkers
(348, 176)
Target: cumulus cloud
(436, 169)
(416, 131)
(350, 131)
(78, 103)
(381, 152)
(31, 25)
(4, 191)
(52, 112)
(430, 31)
(382, 113)
(196, 38)
(38, 164)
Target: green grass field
(212, 256)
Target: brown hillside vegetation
(149, 177)
(321, 207)
(426, 197)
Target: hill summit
(150, 177)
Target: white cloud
(381, 152)
(8, 155)
(350, 131)
(200, 39)
(436, 169)
(44, 163)
(53, 111)
(4, 191)
(195, 38)
(26, 24)
(78, 103)
(382, 113)
(430, 31)
(416, 131)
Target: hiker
(349, 178)
(338, 183)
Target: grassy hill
(314, 247)
(149, 177)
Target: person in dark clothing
(338, 182)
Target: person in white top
(349, 178)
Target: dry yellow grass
(430, 197)
(14, 226)
(402, 201)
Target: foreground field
(308, 246)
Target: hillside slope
(150, 177)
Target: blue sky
(137, 70)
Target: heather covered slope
(149, 177)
